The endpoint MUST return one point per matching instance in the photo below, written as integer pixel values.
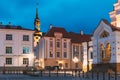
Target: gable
(103, 30)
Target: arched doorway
(108, 53)
(102, 53)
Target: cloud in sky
(74, 15)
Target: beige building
(80, 50)
(54, 49)
(58, 48)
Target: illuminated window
(25, 60)
(8, 50)
(8, 60)
(104, 34)
(26, 50)
(8, 36)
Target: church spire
(38, 33)
(37, 11)
(37, 20)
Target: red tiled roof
(51, 32)
(75, 38)
(78, 38)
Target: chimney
(81, 32)
(51, 26)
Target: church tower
(37, 21)
(115, 15)
(38, 33)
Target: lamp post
(75, 60)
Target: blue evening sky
(73, 15)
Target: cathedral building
(106, 42)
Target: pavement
(28, 77)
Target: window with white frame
(65, 54)
(51, 43)
(8, 50)
(8, 36)
(91, 55)
(66, 65)
(58, 54)
(58, 44)
(50, 54)
(25, 37)
(25, 60)
(8, 61)
(26, 50)
(65, 44)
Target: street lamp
(75, 60)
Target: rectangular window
(8, 60)
(75, 50)
(51, 43)
(58, 54)
(76, 65)
(8, 36)
(65, 54)
(91, 55)
(51, 55)
(66, 65)
(26, 50)
(25, 37)
(25, 61)
(58, 44)
(65, 45)
(8, 50)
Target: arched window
(102, 52)
(104, 34)
(108, 52)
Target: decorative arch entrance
(102, 53)
(108, 52)
(105, 53)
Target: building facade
(16, 46)
(106, 40)
(54, 49)
(58, 48)
(79, 49)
